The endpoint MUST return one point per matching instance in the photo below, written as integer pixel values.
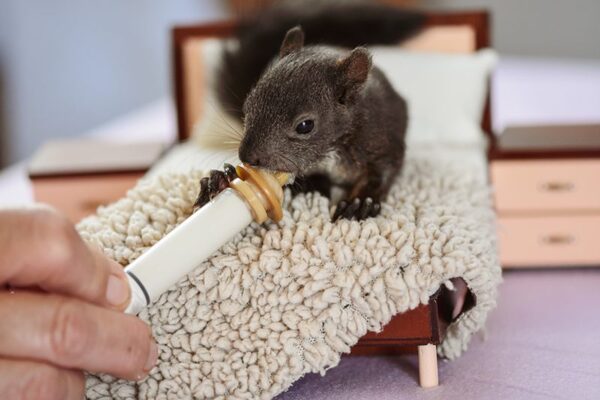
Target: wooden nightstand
(78, 176)
(547, 195)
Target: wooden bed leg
(428, 369)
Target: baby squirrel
(321, 112)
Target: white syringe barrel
(186, 247)
(255, 195)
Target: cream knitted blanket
(283, 300)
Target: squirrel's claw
(357, 208)
(203, 196)
(230, 172)
(215, 183)
(218, 182)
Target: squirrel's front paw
(215, 183)
(358, 209)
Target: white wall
(69, 65)
(545, 28)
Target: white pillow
(445, 92)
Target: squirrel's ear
(354, 70)
(355, 66)
(293, 41)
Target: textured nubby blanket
(282, 300)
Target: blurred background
(67, 66)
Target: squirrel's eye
(305, 126)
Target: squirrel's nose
(253, 160)
(249, 157)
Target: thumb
(40, 248)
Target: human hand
(61, 306)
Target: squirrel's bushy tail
(332, 23)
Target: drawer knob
(557, 186)
(558, 239)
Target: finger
(339, 210)
(117, 292)
(375, 210)
(41, 248)
(203, 196)
(21, 379)
(352, 208)
(74, 334)
(365, 209)
(230, 172)
(218, 182)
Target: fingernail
(152, 357)
(117, 291)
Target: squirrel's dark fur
(342, 24)
(321, 112)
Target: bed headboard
(462, 32)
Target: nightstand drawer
(546, 185)
(549, 241)
(80, 196)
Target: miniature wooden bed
(424, 326)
